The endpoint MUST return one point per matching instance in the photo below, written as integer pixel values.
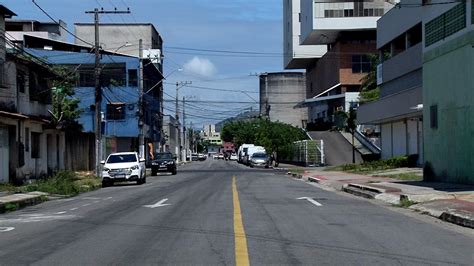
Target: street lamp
(127, 44)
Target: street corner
(460, 212)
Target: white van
(251, 151)
(243, 151)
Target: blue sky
(237, 25)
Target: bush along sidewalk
(368, 167)
(63, 184)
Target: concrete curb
(17, 201)
(425, 197)
(458, 217)
(359, 191)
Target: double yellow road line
(241, 249)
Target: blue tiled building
(120, 101)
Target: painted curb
(32, 199)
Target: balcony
(322, 21)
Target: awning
(13, 115)
(318, 97)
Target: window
(35, 145)
(434, 116)
(360, 64)
(20, 82)
(115, 111)
(445, 25)
(27, 139)
(132, 78)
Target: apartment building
(17, 28)
(348, 30)
(448, 91)
(398, 112)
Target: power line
(64, 28)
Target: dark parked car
(163, 162)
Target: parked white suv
(124, 166)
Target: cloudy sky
(204, 25)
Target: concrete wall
(284, 91)
(113, 36)
(448, 83)
(401, 137)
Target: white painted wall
(399, 139)
(386, 140)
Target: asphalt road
(210, 220)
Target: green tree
(369, 90)
(65, 107)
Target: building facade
(448, 91)
(347, 29)
(280, 92)
(30, 147)
(398, 112)
(121, 98)
(17, 28)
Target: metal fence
(309, 152)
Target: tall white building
(296, 56)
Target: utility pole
(184, 133)
(178, 86)
(141, 122)
(98, 89)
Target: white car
(233, 157)
(123, 167)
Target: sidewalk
(11, 202)
(450, 202)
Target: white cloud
(200, 66)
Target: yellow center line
(241, 250)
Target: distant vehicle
(233, 157)
(241, 153)
(163, 162)
(259, 159)
(215, 156)
(202, 157)
(250, 151)
(220, 156)
(194, 157)
(123, 167)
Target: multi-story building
(279, 93)
(30, 146)
(170, 135)
(209, 129)
(124, 38)
(120, 92)
(398, 112)
(295, 55)
(348, 30)
(448, 90)
(49, 30)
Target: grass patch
(297, 170)
(9, 207)
(369, 167)
(405, 203)
(65, 183)
(406, 177)
(8, 187)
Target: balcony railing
(341, 9)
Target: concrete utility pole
(141, 118)
(98, 88)
(179, 85)
(184, 133)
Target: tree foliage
(65, 106)
(369, 90)
(274, 136)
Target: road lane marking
(6, 229)
(241, 250)
(311, 200)
(63, 212)
(108, 198)
(73, 209)
(160, 203)
(85, 205)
